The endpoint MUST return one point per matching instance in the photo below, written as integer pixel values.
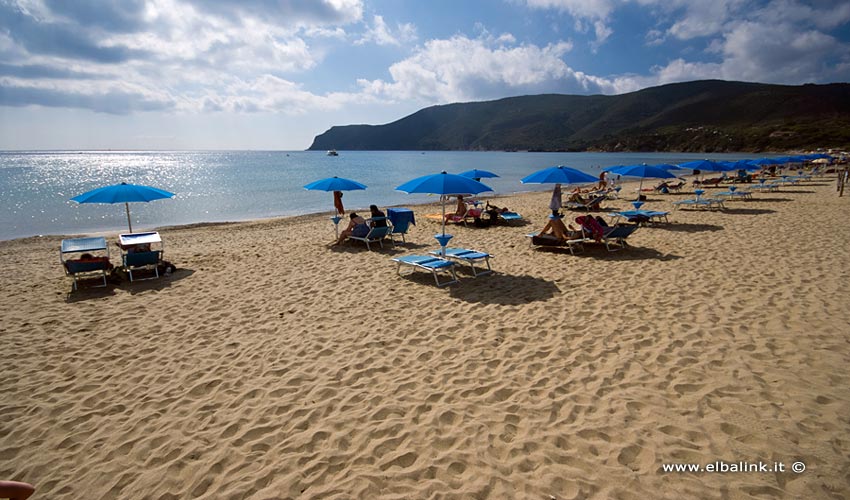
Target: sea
(220, 186)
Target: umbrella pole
(443, 199)
(129, 224)
(443, 238)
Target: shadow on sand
(747, 211)
(119, 281)
(502, 289)
(685, 227)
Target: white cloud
(586, 9)
(460, 69)
(705, 18)
(185, 54)
(270, 93)
(751, 51)
(596, 12)
(654, 38)
(381, 34)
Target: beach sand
(269, 366)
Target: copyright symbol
(798, 467)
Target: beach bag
(479, 222)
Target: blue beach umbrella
(667, 166)
(477, 175)
(766, 161)
(443, 184)
(123, 193)
(729, 166)
(335, 184)
(642, 171)
(558, 175)
(706, 165)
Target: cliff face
(703, 116)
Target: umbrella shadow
(686, 227)
(748, 211)
(387, 249)
(85, 291)
(796, 191)
(161, 283)
(501, 289)
(772, 200)
(630, 253)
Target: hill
(700, 116)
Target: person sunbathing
(460, 212)
(576, 196)
(556, 227)
(357, 227)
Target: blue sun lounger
(468, 256)
(618, 235)
(510, 216)
(637, 215)
(430, 264)
(375, 235)
(79, 267)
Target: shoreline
(191, 225)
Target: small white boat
(332, 152)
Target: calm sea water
(217, 186)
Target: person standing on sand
(555, 203)
(603, 180)
(338, 203)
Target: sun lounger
(763, 186)
(548, 240)
(736, 194)
(86, 264)
(606, 234)
(708, 182)
(142, 261)
(428, 263)
(618, 235)
(700, 203)
(375, 235)
(640, 216)
(593, 204)
(467, 256)
(510, 216)
(138, 254)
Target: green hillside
(704, 116)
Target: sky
(272, 74)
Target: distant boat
(333, 152)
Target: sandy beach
(269, 366)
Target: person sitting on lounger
(377, 214)
(591, 226)
(576, 196)
(494, 211)
(556, 227)
(460, 213)
(357, 226)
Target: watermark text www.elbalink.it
(733, 467)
